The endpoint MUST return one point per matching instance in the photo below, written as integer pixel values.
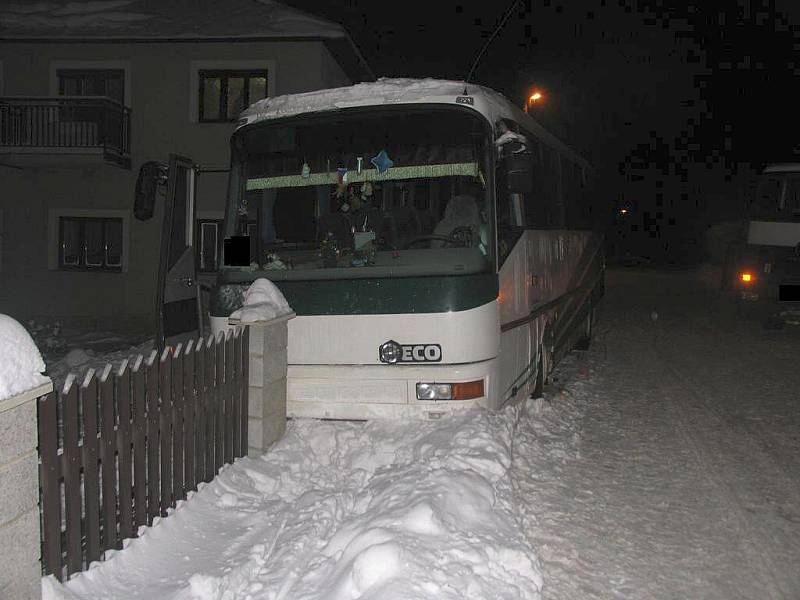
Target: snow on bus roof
(783, 168)
(392, 91)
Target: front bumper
(381, 391)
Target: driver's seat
(461, 212)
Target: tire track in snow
(635, 509)
(770, 459)
(722, 473)
(750, 352)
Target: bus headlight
(434, 391)
(450, 391)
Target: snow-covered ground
(340, 510)
(663, 463)
(684, 479)
(71, 350)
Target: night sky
(677, 104)
(615, 72)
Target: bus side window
(546, 186)
(512, 209)
(793, 195)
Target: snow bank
(80, 359)
(262, 302)
(340, 511)
(21, 364)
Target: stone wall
(267, 384)
(20, 571)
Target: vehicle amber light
(746, 277)
(468, 390)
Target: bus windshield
(365, 193)
(777, 197)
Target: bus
(433, 239)
(765, 269)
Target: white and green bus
(433, 240)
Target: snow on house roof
(175, 20)
(391, 91)
(154, 19)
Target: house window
(90, 243)
(223, 94)
(92, 82)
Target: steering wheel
(460, 237)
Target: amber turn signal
(468, 390)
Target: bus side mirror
(152, 174)
(518, 170)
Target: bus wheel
(585, 336)
(538, 386)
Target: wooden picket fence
(118, 450)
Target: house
(90, 90)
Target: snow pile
(511, 137)
(21, 365)
(47, 335)
(79, 359)
(339, 511)
(262, 301)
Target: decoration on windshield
(341, 189)
(367, 175)
(306, 172)
(329, 251)
(382, 162)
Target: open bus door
(178, 304)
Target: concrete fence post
(266, 397)
(20, 538)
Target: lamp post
(535, 98)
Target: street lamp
(536, 97)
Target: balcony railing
(68, 124)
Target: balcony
(64, 131)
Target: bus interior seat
(461, 211)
